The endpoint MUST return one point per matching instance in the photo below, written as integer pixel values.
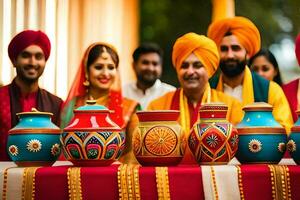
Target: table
(63, 181)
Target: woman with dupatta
(98, 79)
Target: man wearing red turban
(238, 39)
(28, 52)
(195, 58)
(292, 89)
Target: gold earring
(86, 83)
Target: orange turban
(246, 32)
(204, 48)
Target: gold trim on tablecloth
(214, 184)
(240, 180)
(280, 180)
(128, 182)
(28, 185)
(162, 183)
(74, 183)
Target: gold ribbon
(280, 180)
(74, 183)
(214, 183)
(240, 182)
(28, 185)
(128, 182)
(162, 183)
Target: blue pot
(294, 141)
(262, 138)
(34, 141)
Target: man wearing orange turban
(195, 58)
(28, 52)
(238, 39)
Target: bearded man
(28, 52)
(238, 39)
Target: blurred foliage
(163, 21)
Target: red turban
(246, 32)
(297, 48)
(27, 38)
(204, 48)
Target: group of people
(212, 68)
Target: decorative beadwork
(13, 150)
(34, 145)
(74, 183)
(162, 183)
(136, 182)
(240, 183)
(213, 180)
(255, 146)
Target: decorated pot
(262, 138)
(213, 140)
(294, 140)
(159, 139)
(34, 141)
(92, 138)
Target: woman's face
(264, 68)
(102, 73)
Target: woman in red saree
(98, 78)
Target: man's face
(233, 56)
(30, 63)
(148, 68)
(192, 73)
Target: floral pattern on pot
(159, 139)
(213, 140)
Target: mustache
(29, 66)
(190, 77)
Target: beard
(147, 79)
(23, 74)
(232, 67)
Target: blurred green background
(163, 21)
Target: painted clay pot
(262, 138)
(159, 139)
(294, 140)
(34, 141)
(92, 138)
(213, 140)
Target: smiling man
(195, 58)
(28, 52)
(238, 39)
(147, 65)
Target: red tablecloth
(183, 182)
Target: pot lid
(91, 105)
(34, 111)
(258, 106)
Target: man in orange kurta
(195, 58)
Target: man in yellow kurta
(238, 39)
(196, 59)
